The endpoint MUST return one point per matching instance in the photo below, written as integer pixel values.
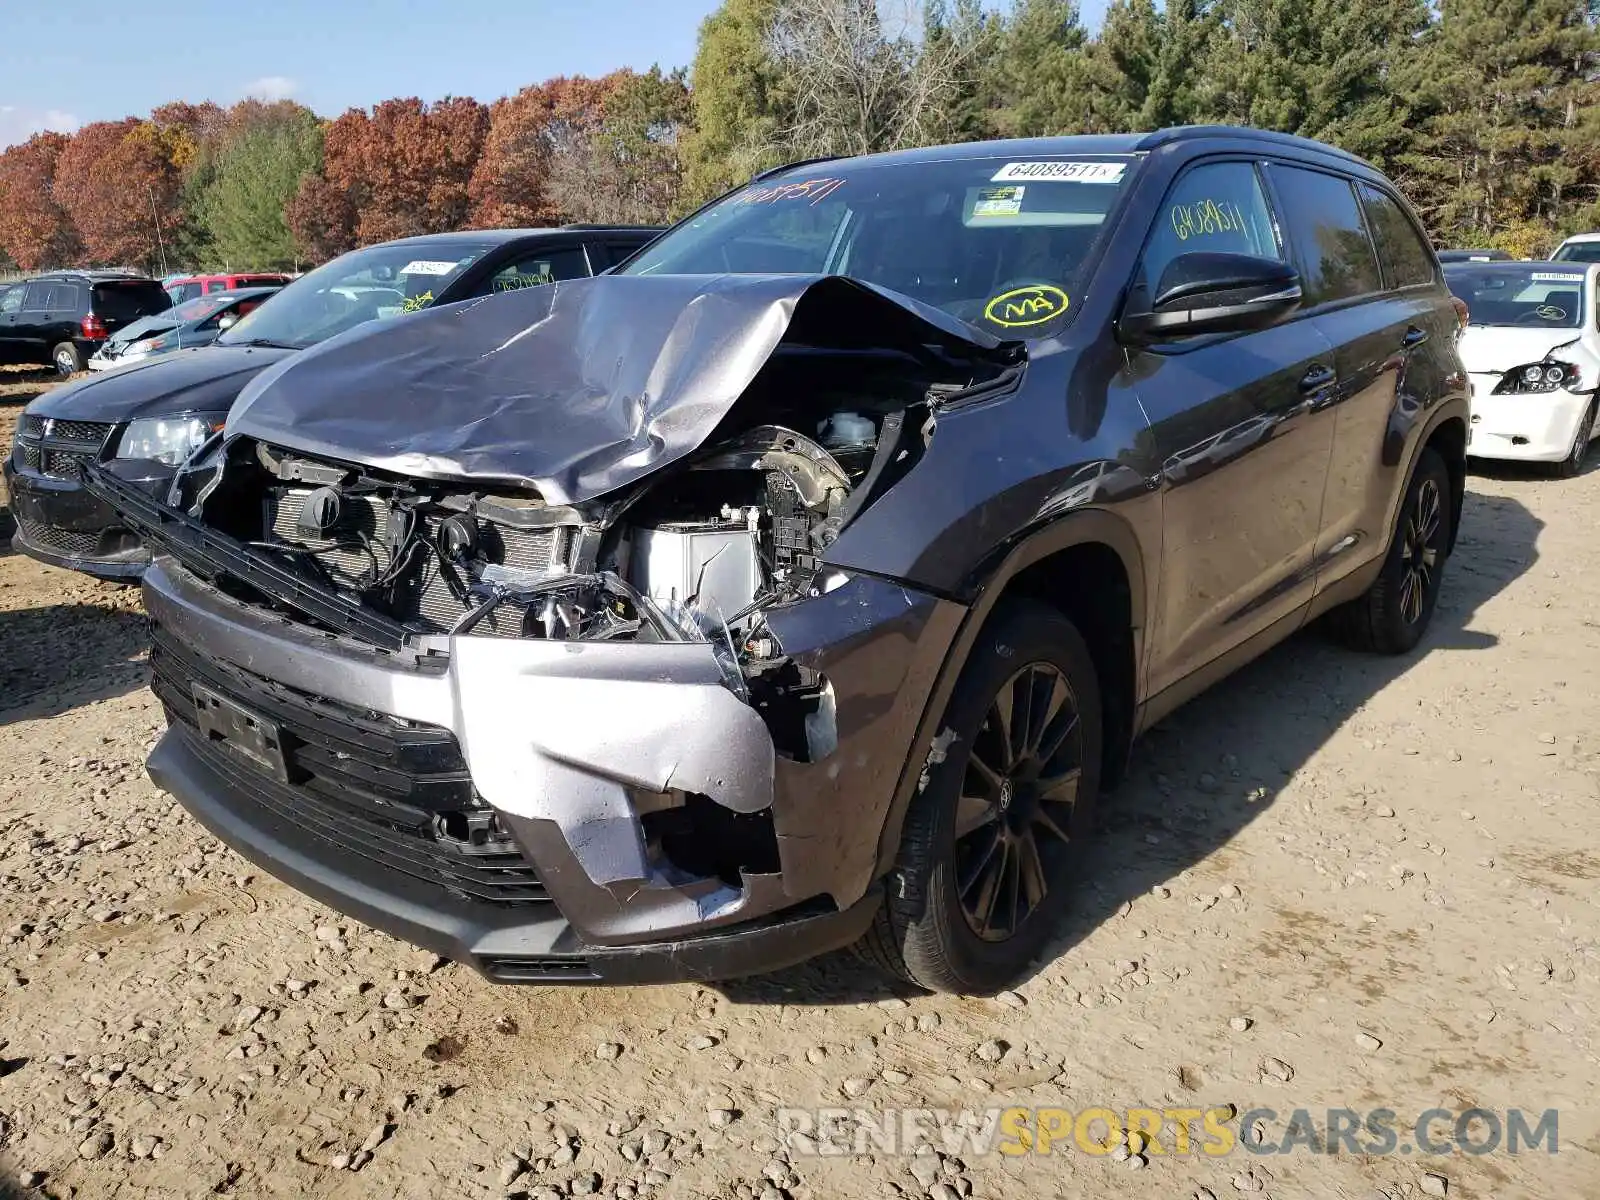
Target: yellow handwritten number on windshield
(1031, 305)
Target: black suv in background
(62, 318)
(803, 580)
(145, 418)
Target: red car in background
(189, 286)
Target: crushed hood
(576, 388)
(1498, 348)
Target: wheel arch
(1089, 566)
(1447, 437)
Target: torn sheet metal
(575, 389)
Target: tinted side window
(1405, 257)
(1325, 229)
(535, 270)
(65, 297)
(36, 297)
(1214, 207)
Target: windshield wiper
(263, 344)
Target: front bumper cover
(60, 523)
(505, 945)
(1523, 428)
(560, 737)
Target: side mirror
(1209, 292)
(227, 321)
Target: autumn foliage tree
(401, 170)
(509, 188)
(116, 181)
(35, 230)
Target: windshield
(997, 242)
(1527, 296)
(380, 281)
(1584, 252)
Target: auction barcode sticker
(1554, 277)
(1061, 171)
(424, 266)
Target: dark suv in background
(145, 418)
(803, 580)
(62, 318)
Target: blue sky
(58, 70)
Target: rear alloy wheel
(1573, 462)
(993, 838)
(1394, 613)
(67, 359)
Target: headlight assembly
(167, 440)
(1538, 377)
(151, 345)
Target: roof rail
(1189, 133)
(799, 162)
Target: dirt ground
(1335, 882)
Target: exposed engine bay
(694, 554)
(675, 492)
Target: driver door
(1240, 436)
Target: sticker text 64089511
(1060, 171)
(1206, 218)
(813, 190)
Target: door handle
(1414, 337)
(1317, 378)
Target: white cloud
(272, 87)
(18, 124)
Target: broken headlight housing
(1536, 378)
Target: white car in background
(1532, 349)
(1579, 248)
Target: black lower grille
(64, 464)
(30, 456)
(62, 541)
(396, 793)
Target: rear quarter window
(1328, 234)
(1405, 256)
(129, 301)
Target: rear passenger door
(31, 320)
(1238, 426)
(10, 307)
(1385, 319)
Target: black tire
(1569, 466)
(1394, 613)
(925, 931)
(68, 359)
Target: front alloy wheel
(993, 835)
(1016, 802)
(1568, 467)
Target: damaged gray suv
(802, 583)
